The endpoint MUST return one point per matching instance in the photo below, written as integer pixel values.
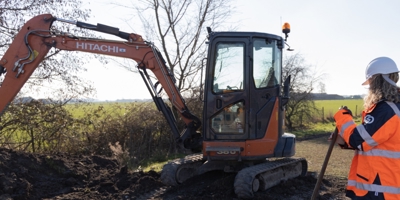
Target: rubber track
(244, 179)
(168, 173)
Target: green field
(328, 108)
(111, 108)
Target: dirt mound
(35, 176)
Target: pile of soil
(36, 176)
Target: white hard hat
(381, 65)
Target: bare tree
(59, 68)
(178, 27)
(322, 87)
(301, 106)
(36, 126)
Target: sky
(337, 38)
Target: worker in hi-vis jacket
(375, 168)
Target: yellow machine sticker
(34, 55)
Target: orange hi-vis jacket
(375, 168)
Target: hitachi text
(96, 47)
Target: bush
(139, 128)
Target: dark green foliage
(131, 132)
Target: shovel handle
(324, 165)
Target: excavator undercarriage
(251, 176)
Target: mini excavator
(244, 98)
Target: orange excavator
(244, 98)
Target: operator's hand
(343, 115)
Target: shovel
(325, 164)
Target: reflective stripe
(381, 153)
(345, 126)
(366, 136)
(394, 107)
(374, 188)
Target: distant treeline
(325, 96)
(47, 101)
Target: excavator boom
(35, 39)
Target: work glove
(342, 116)
(346, 111)
(343, 112)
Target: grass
(156, 166)
(329, 107)
(157, 163)
(314, 129)
(80, 110)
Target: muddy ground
(33, 176)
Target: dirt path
(31, 176)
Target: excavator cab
(244, 99)
(243, 107)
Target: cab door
(227, 93)
(265, 86)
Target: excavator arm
(35, 39)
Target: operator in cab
(375, 168)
